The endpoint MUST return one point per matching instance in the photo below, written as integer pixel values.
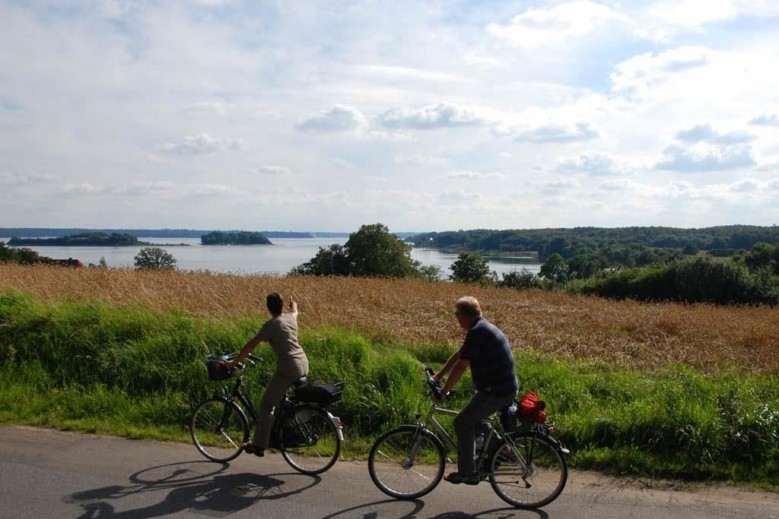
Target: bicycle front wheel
(407, 462)
(528, 471)
(309, 439)
(218, 429)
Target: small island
(234, 238)
(87, 239)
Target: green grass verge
(138, 374)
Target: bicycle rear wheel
(528, 471)
(218, 429)
(309, 439)
(407, 462)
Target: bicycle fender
(339, 428)
(554, 441)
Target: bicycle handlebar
(250, 359)
(435, 387)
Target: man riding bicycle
(487, 352)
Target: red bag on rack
(531, 409)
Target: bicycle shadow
(414, 508)
(187, 486)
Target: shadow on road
(198, 486)
(412, 509)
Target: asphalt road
(46, 473)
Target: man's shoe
(253, 449)
(457, 478)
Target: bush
(697, 280)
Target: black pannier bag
(216, 369)
(319, 393)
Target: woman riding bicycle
(488, 353)
(281, 332)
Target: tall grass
(136, 372)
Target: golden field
(626, 333)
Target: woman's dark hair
(275, 303)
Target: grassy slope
(121, 352)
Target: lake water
(278, 259)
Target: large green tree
(554, 268)
(154, 258)
(470, 267)
(330, 261)
(375, 252)
(372, 251)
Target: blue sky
(421, 115)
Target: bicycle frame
(238, 392)
(495, 430)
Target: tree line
(627, 244)
(87, 239)
(625, 271)
(234, 238)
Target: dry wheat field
(624, 333)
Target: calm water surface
(278, 259)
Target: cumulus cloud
(562, 183)
(272, 170)
(457, 196)
(209, 108)
(766, 119)
(558, 132)
(705, 133)
(208, 189)
(703, 148)
(7, 177)
(619, 184)
(593, 163)
(475, 175)
(705, 157)
(693, 13)
(155, 187)
(83, 188)
(421, 160)
(443, 115)
(548, 27)
(201, 144)
(340, 118)
(641, 72)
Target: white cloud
(538, 27)
(340, 118)
(530, 106)
(209, 108)
(422, 160)
(83, 188)
(443, 115)
(767, 119)
(558, 132)
(201, 144)
(475, 175)
(146, 188)
(693, 13)
(208, 189)
(273, 170)
(705, 133)
(563, 183)
(619, 184)
(458, 196)
(640, 73)
(595, 163)
(706, 157)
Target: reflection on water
(278, 259)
